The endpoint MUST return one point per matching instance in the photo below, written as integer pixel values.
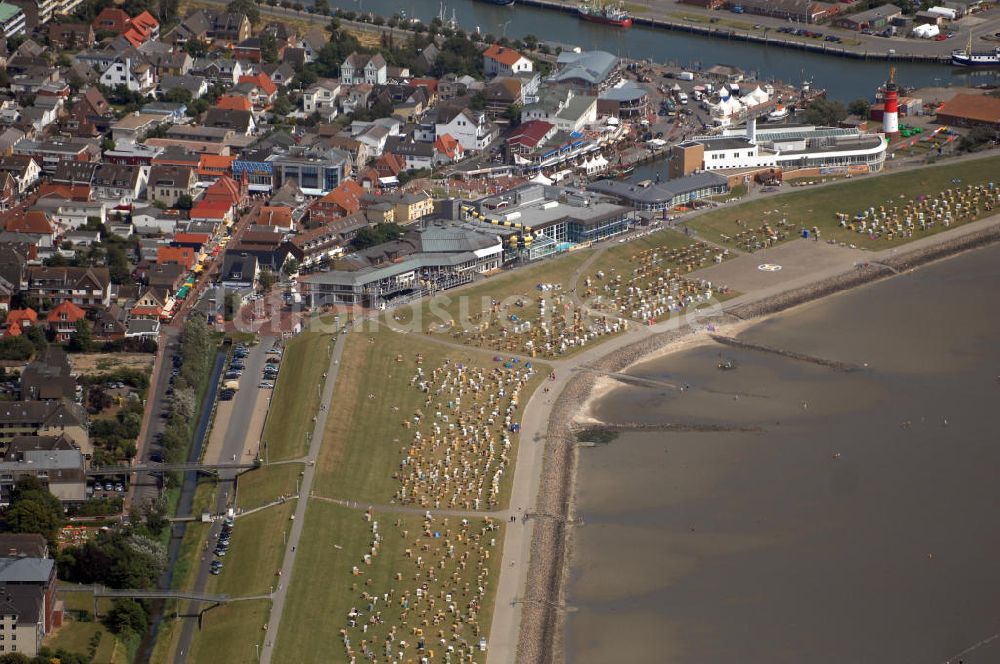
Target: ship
(607, 14)
(502, 3)
(968, 58)
(779, 113)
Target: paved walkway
(408, 509)
(288, 562)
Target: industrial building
(657, 196)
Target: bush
(16, 348)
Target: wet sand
(858, 525)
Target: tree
(34, 510)
(82, 340)
(248, 7)
(126, 616)
(267, 279)
(36, 336)
(290, 267)
(16, 348)
(513, 114)
(478, 101)
(107, 145)
(859, 107)
(369, 236)
(824, 112)
(322, 7)
(178, 96)
(98, 399)
(977, 138)
(184, 202)
(118, 265)
(196, 48)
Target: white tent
(755, 98)
(541, 179)
(926, 31)
(726, 107)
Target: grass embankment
(266, 484)
(296, 396)
(252, 563)
(410, 553)
(365, 445)
(818, 207)
(231, 633)
(82, 633)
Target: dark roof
(27, 545)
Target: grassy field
(296, 396)
(363, 447)
(334, 543)
(817, 207)
(251, 566)
(78, 637)
(265, 484)
(230, 633)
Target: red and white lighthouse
(890, 118)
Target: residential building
(133, 127)
(321, 97)
(363, 68)
(131, 72)
(49, 376)
(71, 35)
(118, 184)
(27, 602)
(504, 61)
(62, 321)
(83, 286)
(24, 169)
(873, 19)
(44, 418)
(54, 461)
(12, 20)
(168, 183)
(343, 201)
(239, 270)
(470, 128)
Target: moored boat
(968, 58)
(607, 14)
(502, 3)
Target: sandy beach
(572, 399)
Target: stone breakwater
(541, 617)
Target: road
(288, 563)
(237, 430)
(145, 487)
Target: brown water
(860, 525)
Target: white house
(321, 97)
(504, 61)
(136, 76)
(470, 128)
(360, 68)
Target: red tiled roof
(72, 313)
(275, 216)
(978, 108)
(346, 197)
(19, 316)
(502, 54)
(446, 144)
(262, 81)
(32, 222)
(180, 255)
(234, 103)
(73, 192)
(530, 133)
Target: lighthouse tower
(890, 118)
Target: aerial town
(311, 316)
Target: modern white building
(788, 147)
(321, 97)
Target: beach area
(534, 597)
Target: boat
(968, 58)
(779, 113)
(502, 3)
(607, 14)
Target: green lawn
(251, 566)
(77, 637)
(817, 207)
(265, 484)
(296, 395)
(336, 539)
(230, 633)
(365, 439)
